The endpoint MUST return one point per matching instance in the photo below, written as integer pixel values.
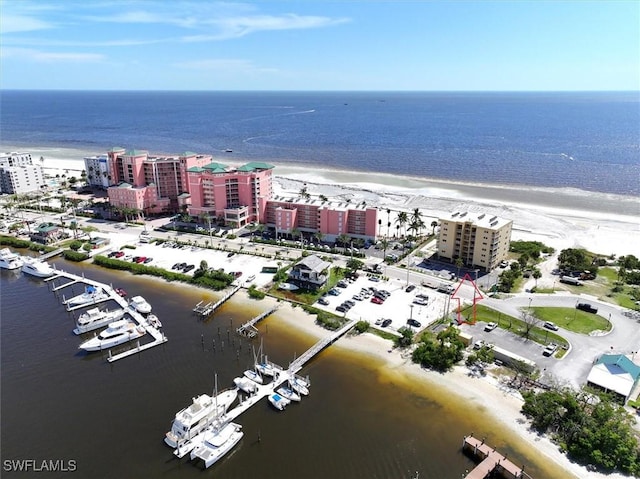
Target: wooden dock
(264, 390)
(493, 464)
(158, 336)
(248, 329)
(204, 310)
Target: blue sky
(320, 45)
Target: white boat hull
(140, 304)
(217, 443)
(246, 385)
(254, 376)
(299, 386)
(87, 298)
(195, 419)
(289, 394)
(37, 268)
(86, 324)
(278, 402)
(9, 259)
(125, 332)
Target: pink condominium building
(311, 215)
(236, 196)
(134, 179)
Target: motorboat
(140, 305)
(217, 441)
(299, 385)
(9, 259)
(246, 385)
(253, 375)
(267, 369)
(288, 287)
(278, 402)
(118, 332)
(91, 295)
(121, 292)
(37, 267)
(153, 320)
(192, 420)
(289, 394)
(95, 318)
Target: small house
(310, 273)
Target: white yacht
(246, 384)
(140, 304)
(9, 259)
(267, 369)
(118, 332)
(37, 267)
(278, 402)
(253, 375)
(153, 320)
(289, 394)
(299, 385)
(91, 295)
(95, 318)
(193, 419)
(217, 441)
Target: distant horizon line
(305, 91)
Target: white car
(490, 326)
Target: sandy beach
(605, 224)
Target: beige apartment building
(482, 241)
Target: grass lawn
(573, 319)
(538, 334)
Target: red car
(119, 254)
(376, 300)
(141, 259)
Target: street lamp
(411, 311)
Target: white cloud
(46, 57)
(223, 65)
(22, 23)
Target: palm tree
(343, 239)
(434, 224)
(402, 219)
(388, 220)
(323, 198)
(536, 275)
(459, 262)
(416, 218)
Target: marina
(204, 310)
(96, 292)
(493, 464)
(249, 329)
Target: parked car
(490, 326)
(420, 301)
(376, 300)
(324, 301)
(334, 292)
(551, 326)
(386, 323)
(414, 323)
(147, 260)
(188, 268)
(410, 288)
(375, 279)
(341, 308)
(550, 349)
(342, 284)
(587, 307)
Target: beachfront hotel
(136, 180)
(481, 241)
(18, 174)
(312, 215)
(236, 196)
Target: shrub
(74, 255)
(362, 326)
(255, 293)
(75, 245)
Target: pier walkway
(111, 294)
(264, 390)
(51, 254)
(493, 463)
(204, 310)
(248, 329)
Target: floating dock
(158, 336)
(493, 463)
(264, 390)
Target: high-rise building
(481, 241)
(18, 174)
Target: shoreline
(486, 394)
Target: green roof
(256, 165)
(136, 152)
(623, 362)
(124, 184)
(216, 167)
(195, 169)
(115, 149)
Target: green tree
(402, 219)
(536, 275)
(434, 225)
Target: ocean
(586, 141)
(108, 420)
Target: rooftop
(482, 220)
(255, 166)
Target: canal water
(108, 420)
